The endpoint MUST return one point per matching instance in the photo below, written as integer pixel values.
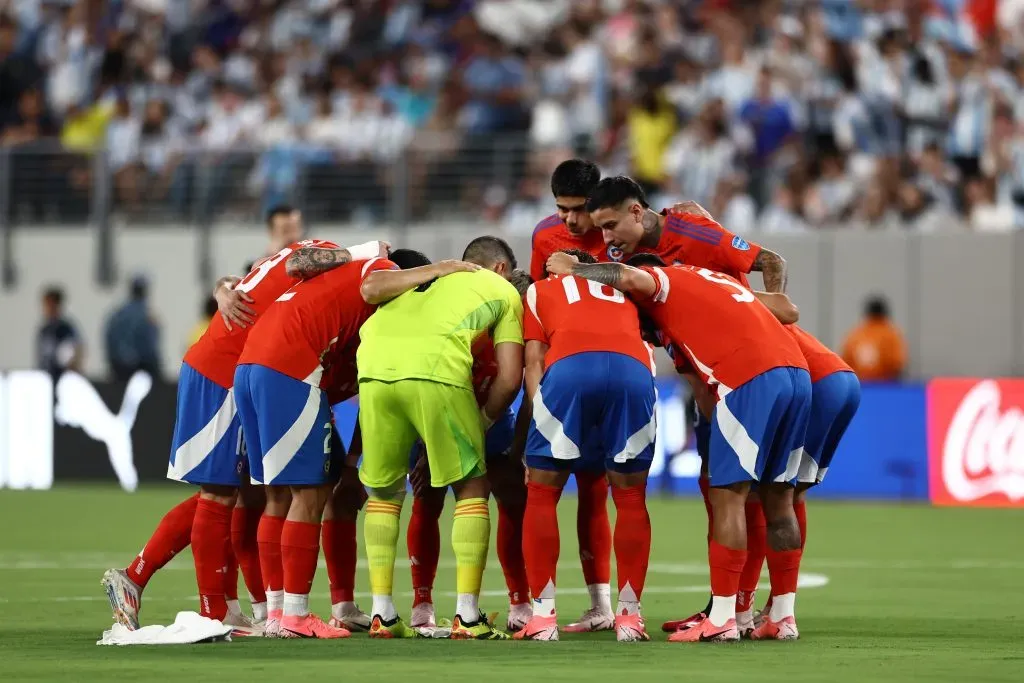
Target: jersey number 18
(597, 290)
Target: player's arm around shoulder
(381, 286)
(634, 281)
(312, 260)
(781, 306)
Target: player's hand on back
(384, 249)
(449, 266)
(561, 263)
(691, 207)
(419, 476)
(231, 304)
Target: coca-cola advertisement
(976, 442)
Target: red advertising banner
(976, 442)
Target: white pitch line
(806, 581)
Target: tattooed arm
(622, 277)
(773, 269)
(309, 262)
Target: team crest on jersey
(614, 253)
(740, 243)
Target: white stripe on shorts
(639, 440)
(562, 447)
(282, 452)
(195, 450)
(736, 436)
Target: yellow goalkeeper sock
(471, 534)
(380, 532)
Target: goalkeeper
(415, 382)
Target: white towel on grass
(188, 627)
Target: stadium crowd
(781, 115)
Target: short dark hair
(278, 210)
(581, 256)
(210, 307)
(641, 260)
(575, 178)
(611, 192)
(489, 249)
(876, 307)
(521, 280)
(55, 294)
(408, 258)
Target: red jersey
(485, 367)
(573, 315)
(216, 353)
(821, 361)
(551, 235)
(691, 240)
(727, 334)
(299, 334)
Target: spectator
(702, 156)
(771, 125)
(209, 310)
(652, 123)
(132, 335)
(875, 348)
(919, 211)
(58, 344)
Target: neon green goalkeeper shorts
(393, 415)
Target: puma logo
(80, 405)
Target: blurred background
(875, 144)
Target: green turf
(913, 593)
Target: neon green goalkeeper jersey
(427, 333)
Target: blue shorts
(287, 426)
(594, 410)
(834, 401)
(758, 429)
(207, 446)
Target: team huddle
(437, 354)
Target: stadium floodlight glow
(26, 438)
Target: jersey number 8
(597, 290)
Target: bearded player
(208, 450)
(685, 234)
(584, 378)
(761, 386)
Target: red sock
(593, 528)
(268, 535)
(800, 508)
(244, 525)
(726, 566)
(300, 549)
(705, 486)
(784, 570)
(510, 553)
(172, 535)
(339, 541)
(632, 538)
(231, 573)
(540, 536)
(211, 538)
(423, 540)
(757, 539)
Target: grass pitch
(891, 593)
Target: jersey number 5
(743, 294)
(572, 291)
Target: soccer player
(283, 409)
(759, 377)
(584, 378)
(208, 450)
(415, 382)
(505, 475)
(685, 234)
(835, 396)
(570, 227)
